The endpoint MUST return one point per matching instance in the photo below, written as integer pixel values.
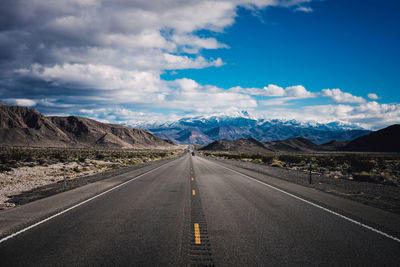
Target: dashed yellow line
(197, 240)
(193, 192)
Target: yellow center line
(193, 192)
(197, 234)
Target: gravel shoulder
(27, 184)
(385, 197)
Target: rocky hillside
(241, 145)
(298, 144)
(251, 145)
(21, 126)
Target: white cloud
(20, 102)
(273, 90)
(130, 31)
(125, 116)
(342, 97)
(95, 77)
(192, 43)
(112, 53)
(189, 95)
(373, 96)
(270, 90)
(369, 115)
(146, 39)
(304, 9)
(281, 101)
(298, 91)
(287, 94)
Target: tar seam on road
(77, 205)
(200, 252)
(316, 205)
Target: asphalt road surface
(192, 211)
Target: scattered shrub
(4, 168)
(327, 162)
(291, 159)
(41, 161)
(360, 164)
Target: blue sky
(341, 44)
(138, 61)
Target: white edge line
(77, 205)
(316, 205)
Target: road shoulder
(377, 218)
(17, 218)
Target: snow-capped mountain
(204, 130)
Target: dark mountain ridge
(384, 140)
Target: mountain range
(21, 126)
(384, 140)
(204, 130)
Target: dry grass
(363, 167)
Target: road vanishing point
(193, 211)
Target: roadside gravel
(26, 184)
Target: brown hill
(334, 145)
(21, 126)
(249, 145)
(253, 146)
(384, 140)
(297, 144)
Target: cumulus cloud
(281, 96)
(91, 56)
(270, 90)
(189, 95)
(192, 44)
(40, 32)
(86, 76)
(373, 96)
(20, 102)
(342, 97)
(79, 54)
(298, 91)
(125, 116)
(369, 115)
(273, 90)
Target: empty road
(193, 211)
